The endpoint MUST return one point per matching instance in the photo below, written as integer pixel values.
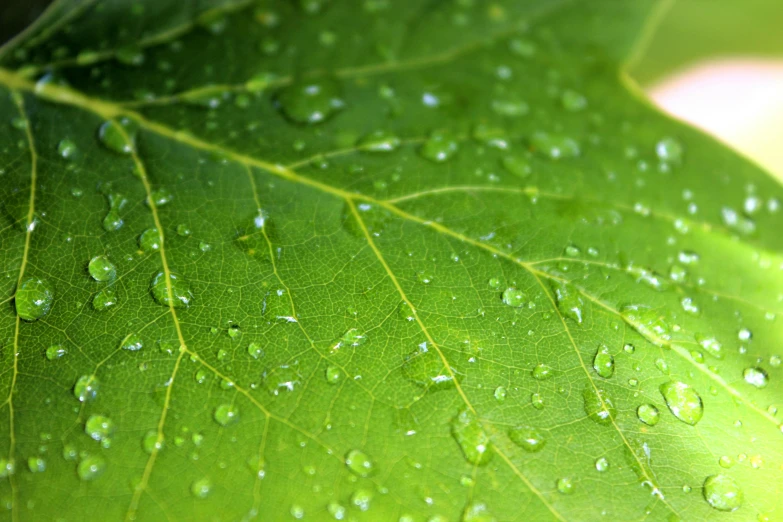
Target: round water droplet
(255, 351)
(226, 414)
(528, 438)
(439, 147)
(543, 372)
(99, 427)
(312, 101)
(104, 299)
(648, 414)
(181, 295)
(599, 406)
(359, 463)
(565, 486)
(151, 443)
(683, 401)
(36, 465)
(55, 352)
(333, 374)
(67, 149)
(91, 467)
(669, 150)
(603, 362)
(722, 493)
(710, 345)
(33, 298)
(86, 388)
(744, 335)
(514, 297)
(500, 394)
(201, 488)
(101, 269)
(602, 464)
(149, 240)
(471, 437)
(756, 377)
(537, 401)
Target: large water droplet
(425, 368)
(756, 377)
(101, 269)
(722, 493)
(528, 438)
(99, 427)
(514, 297)
(86, 388)
(311, 101)
(149, 240)
(683, 401)
(33, 298)
(599, 406)
(180, 290)
(569, 302)
(470, 435)
(603, 362)
(118, 136)
(113, 221)
(104, 299)
(359, 463)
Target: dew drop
(542, 372)
(104, 299)
(333, 374)
(312, 101)
(756, 377)
(648, 414)
(599, 406)
(359, 463)
(500, 394)
(602, 464)
(283, 378)
(67, 149)
(650, 324)
(426, 369)
(151, 443)
(201, 488)
(33, 298)
(565, 486)
(471, 437)
(55, 352)
(722, 493)
(132, 343)
(379, 141)
(439, 147)
(569, 303)
(554, 146)
(477, 512)
(603, 362)
(517, 165)
(86, 388)
(118, 136)
(149, 240)
(514, 297)
(669, 150)
(99, 427)
(683, 401)
(528, 438)
(255, 350)
(180, 290)
(36, 465)
(91, 467)
(226, 414)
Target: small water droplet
(744, 335)
(528, 438)
(648, 414)
(756, 377)
(91, 467)
(86, 388)
(255, 350)
(601, 464)
(333, 374)
(599, 406)
(514, 297)
(283, 378)
(603, 362)
(500, 394)
(669, 150)
(99, 427)
(36, 464)
(55, 352)
(439, 147)
(722, 493)
(201, 488)
(132, 343)
(471, 437)
(118, 136)
(149, 240)
(565, 486)
(379, 141)
(226, 414)
(554, 146)
(180, 290)
(359, 463)
(542, 372)
(477, 512)
(311, 101)
(151, 442)
(425, 368)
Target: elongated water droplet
(603, 362)
(569, 302)
(55, 352)
(722, 493)
(351, 338)
(118, 136)
(311, 101)
(470, 435)
(650, 324)
(283, 378)
(33, 298)
(599, 406)
(379, 141)
(528, 438)
(517, 165)
(113, 221)
(683, 401)
(554, 146)
(477, 512)
(180, 290)
(359, 463)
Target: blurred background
(717, 64)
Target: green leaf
(375, 261)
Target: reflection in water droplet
(33, 298)
(469, 434)
(226, 414)
(514, 297)
(86, 388)
(477, 512)
(311, 101)
(91, 467)
(650, 324)
(379, 141)
(756, 377)
(118, 136)
(528, 438)
(149, 240)
(542, 372)
(180, 290)
(683, 401)
(565, 486)
(554, 146)
(648, 414)
(201, 488)
(283, 378)
(425, 368)
(101, 269)
(439, 147)
(359, 463)
(569, 302)
(601, 464)
(603, 362)
(722, 493)
(599, 406)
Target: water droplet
(744, 335)
(573, 101)
(542, 372)
(67, 149)
(91, 467)
(359, 463)
(333, 374)
(118, 136)
(602, 464)
(599, 406)
(650, 324)
(160, 197)
(113, 221)
(425, 368)
(311, 101)
(500, 394)
(180, 290)
(629, 348)
(565, 486)
(517, 165)
(683, 401)
(649, 277)
(99, 427)
(439, 147)
(470, 435)
(149, 240)
(351, 338)
(132, 342)
(554, 146)
(379, 141)
(710, 345)
(569, 302)
(226, 414)
(361, 498)
(33, 298)
(756, 377)
(690, 306)
(36, 465)
(104, 299)
(726, 462)
(283, 378)
(255, 351)
(510, 106)
(603, 362)
(528, 438)
(537, 401)
(86, 388)
(648, 414)
(669, 150)
(55, 352)
(151, 443)
(130, 55)
(722, 493)
(101, 269)
(201, 488)
(477, 512)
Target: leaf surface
(375, 261)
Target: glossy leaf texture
(375, 260)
